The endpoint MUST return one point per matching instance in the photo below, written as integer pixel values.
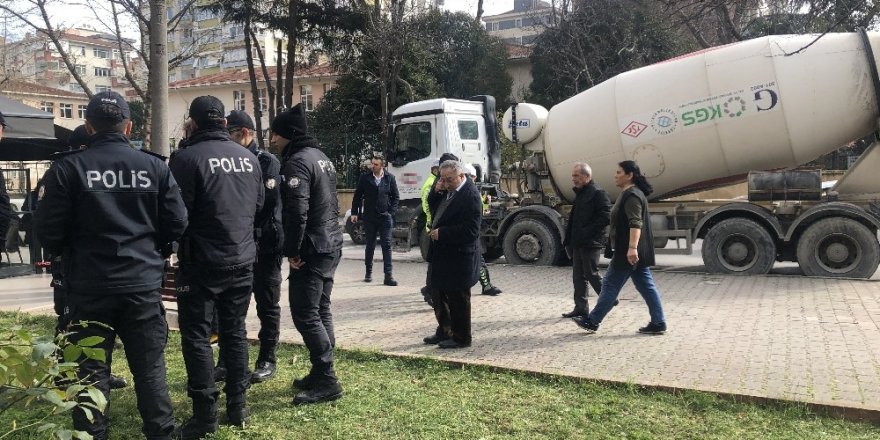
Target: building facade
(69, 108)
(522, 24)
(233, 88)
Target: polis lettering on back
(118, 179)
(230, 165)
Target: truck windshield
(411, 142)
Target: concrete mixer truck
(750, 111)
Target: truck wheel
(424, 243)
(738, 246)
(530, 241)
(838, 247)
(493, 253)
(356, 231)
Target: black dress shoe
(117, 382)
(389, 281)
(435, 339)
(573, 314)
(321, 392)
(452, 343)
(491, 291)
(264, 372)
(306, 383)
(368, 277)
(585, 323)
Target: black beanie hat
(448, 156)
(291, 123)
(207, 112)
(78, 138)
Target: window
(65, 111)
(74, 87)
(188, 34)
(81, 111)
(99, 89)
(101, 53)
(47, 107)
(327, 88)
(238, 99)
(235, 32)
(264, 100)
(80, 69)
(411, 142)
(102, 71)
(77, 50)
(468, 130)
(305, 97)
(507, 24)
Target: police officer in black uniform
(78, 140)
(313, 247)
(109, 210)
(269, 235)
(222, 188)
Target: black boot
(263, 372)
(368, 277)
(237, 413)
(117, 382)
(306, 383)
(202, 422)
(389, 280)
(323, 391)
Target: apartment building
(95, 56)
(208, 45)
(522, 24)
(69, 108)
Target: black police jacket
(371, 200)
(267, 226)
(222, 187)
(311, 207)
(589, 218)
(109, 210)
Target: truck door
(412, 151)
(471, 136)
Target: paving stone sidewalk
(781, 337)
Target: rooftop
(18, 86)
(240, 76)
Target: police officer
(79, 139)
(6, 213)
(109, 209)
(313, 247)
(269, 235)
(222, 188)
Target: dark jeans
(139, 320)
(199, 291)
(585, 269)
(382, 226)
(310, 289)
(452, 308)
(267, 293)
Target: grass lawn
(393, 398)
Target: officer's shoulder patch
(161, 157)
(293, 182)
(271, 183)
(41, 192)
(61, 154)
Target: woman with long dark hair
(631, 250)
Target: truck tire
(738, 246)
(356, 231)
(531, 242)
(838, 247)
(493, 253)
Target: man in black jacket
(585, 235)
(313, 247)
(456, 210)
(269, 235)
(375, 201)
(222, 187)
(109, 210)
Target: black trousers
(310, 289)
(381, 226)
(585, 269)
(452, 308)
(139, 320)
(199, 291)
(267, 293)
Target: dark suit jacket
(455, 257)
(370, 201)
(589, 217)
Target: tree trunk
(279, 85)
(270, 90)
(158, 81)
(252, 76)
(480, 10)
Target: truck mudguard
(748, 210)
(832, 209)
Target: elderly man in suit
(454, 254)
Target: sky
(73, 13)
